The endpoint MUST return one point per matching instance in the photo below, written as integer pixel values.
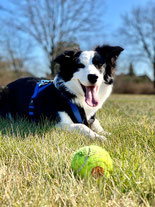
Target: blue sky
(112, 11)
(116, 8)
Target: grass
(35, 162)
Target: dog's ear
(109, 52)
(66, 57)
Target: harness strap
(40, 86)
(75, 111)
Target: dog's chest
(90, 112)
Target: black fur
(108, 55)
(69, 64)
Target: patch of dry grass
(35, 162)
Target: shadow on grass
(21, 128)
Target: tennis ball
(92, 161)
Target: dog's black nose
(92, 78)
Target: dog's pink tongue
(92, 98)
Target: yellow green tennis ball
(92, 161)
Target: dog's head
(83, 72)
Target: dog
(80, 88)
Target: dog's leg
(82, 129)
(97, 128)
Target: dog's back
(48, 103)
(4, 103)
(15, 97)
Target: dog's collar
(40, 86)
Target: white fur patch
(64, 117)
(86, 57)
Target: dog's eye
(100, 65)
(80, 65)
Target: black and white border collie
(85, 78)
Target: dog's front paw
(105, 133)
(100, 137)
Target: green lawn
(35, 162)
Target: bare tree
(138, 31)
(14, 48)
(51, 21)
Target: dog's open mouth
(91, 95)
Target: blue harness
(40, 86)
